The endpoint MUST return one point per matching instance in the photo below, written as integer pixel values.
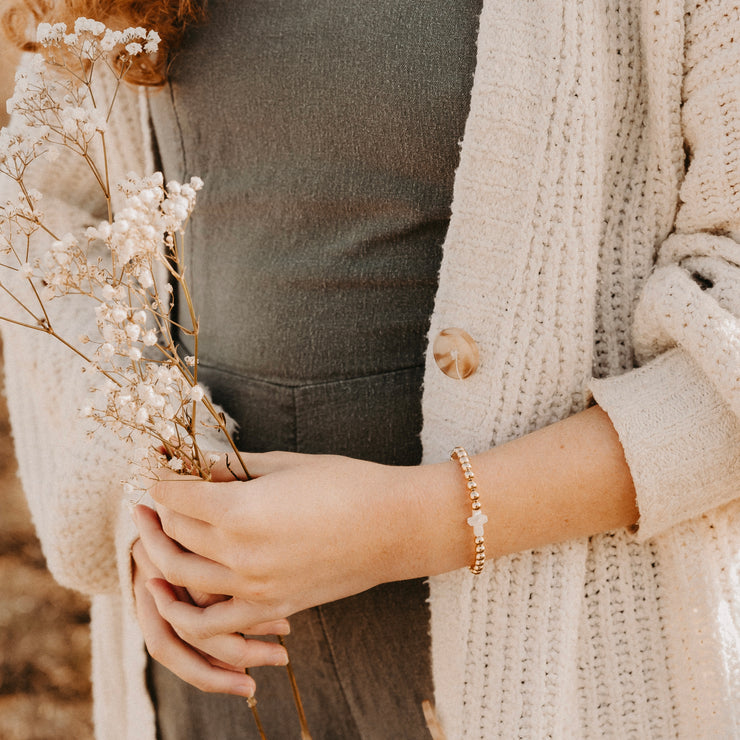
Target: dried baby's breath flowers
(126, 267)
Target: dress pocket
(372, 417)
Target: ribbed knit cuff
(680, 439)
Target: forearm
(564, 481)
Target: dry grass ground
(44, 641)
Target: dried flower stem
(305, 732)
(252, 704)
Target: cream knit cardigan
(587, 260)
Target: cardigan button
(456, 353)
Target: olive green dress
(327, 134)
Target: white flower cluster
(82, 121)
(64, 267)
(151, 400)
(138, 237)
(122, 327)
(60, 110)
(149, 389)
(92, 39)
(20, 216)
(54, 111)
(156, 393)
(150, 213)
(155, 400)
(19, 149)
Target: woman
(591, 255)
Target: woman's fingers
(231, 648)
(179, 567)
(233, 615)
(191, 534)
(228, 615)
(195, 498)
(145, 569)
(210, 664)
(192, 497)
(167, 648)
(187, 663)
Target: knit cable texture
(569, 176)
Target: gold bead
(467, 470)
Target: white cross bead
(476, 522)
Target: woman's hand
(215, 664)
(308, 529)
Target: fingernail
(282, 658)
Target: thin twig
(305, 732)
(24, 307)
(252, 704)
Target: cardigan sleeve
(678, 415)
(71, 474)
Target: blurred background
(44, 639)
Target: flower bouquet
(129, 267)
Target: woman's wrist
(433, 505)
(564, 481)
